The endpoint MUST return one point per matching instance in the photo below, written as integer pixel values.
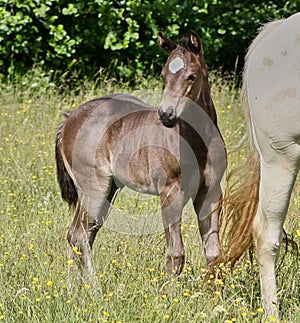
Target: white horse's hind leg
(276, 184)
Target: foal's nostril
(170, 113)
(159, 112)
(167, 117)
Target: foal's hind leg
(81, 236)
(277, 181)
(87, 221)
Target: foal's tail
(240, 201)
(67, 186)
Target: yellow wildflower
(76, 250)
(70, 262)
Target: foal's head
(185, 75)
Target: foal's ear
(195, 42)
(165, 43)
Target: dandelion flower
(76, 250)
(219, 282)
(70, 262)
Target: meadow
(129, 268)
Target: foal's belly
(148, 170)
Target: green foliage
(85, 35)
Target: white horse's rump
(272, 76)
(271, 93)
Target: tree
(121, 35)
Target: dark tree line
(120, 35)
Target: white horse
(258, 207)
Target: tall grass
(129, 269)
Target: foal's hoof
(174, 266)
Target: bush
(60, 35)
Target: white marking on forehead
(176, 65)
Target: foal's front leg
(206, 207)
(175, 250)
(171, 216)
(210, 238)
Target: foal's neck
(206, 102)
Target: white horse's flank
(272, 93)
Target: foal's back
(120, 136)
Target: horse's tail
(67, 186)
(240, 201)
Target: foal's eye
(191, 78)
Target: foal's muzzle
(168, 117)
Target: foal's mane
(184, 44)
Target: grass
(130, 269)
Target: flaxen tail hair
(67, 186)
(239, 205)
(241, 196)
